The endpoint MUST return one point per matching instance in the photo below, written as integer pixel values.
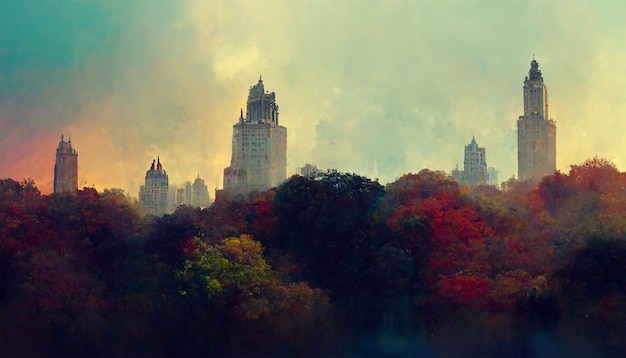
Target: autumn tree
(61, 263)
(261, 311)
(442, 231)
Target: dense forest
(339, 266)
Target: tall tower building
(475, 164)
(259, 148)
(153, 196)
(536, 131)
(474, 171)
(200, 193)
(66, 168)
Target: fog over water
(396, 85)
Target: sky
(376, 88)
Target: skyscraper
(153, 196)
(66, 168)
(475, 164)
(536, 131)
(259, 147)
(200, 193)
(474, 171)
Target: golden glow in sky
(403, 84)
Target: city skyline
(395, 85)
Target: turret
(535, 93)
(261, 106)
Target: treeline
(340, 266)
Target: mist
(395, 85)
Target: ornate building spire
(261, 106)
(473, 143)
(534, 74)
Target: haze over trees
(340, 266)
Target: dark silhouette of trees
(330, 228)
(317, 267)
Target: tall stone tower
(475, 164)
(153, 196)
(536, 131)
(259, 148)
(66, 168)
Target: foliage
(233, 276)
(315, 265)
(330, 226)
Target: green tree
(232, 277)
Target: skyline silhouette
(393, 86)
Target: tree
(330, 226)
(443, 233)
(233, 277)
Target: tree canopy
(320, 267)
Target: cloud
(402, 84)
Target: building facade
(200, 194)
(474, 171)
(311, 171)
(180, 197)
(492, 176)
(66, 168)
(475, 164)
(536, 131)
(259, 146)
(153, 196)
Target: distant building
(475, 164)
(66, 168)
(259, 147)
(183, 195)
(153, 196)
(311, 171)
(474, 171)
(171, 199)
(536, 131)
(492, 176)
(188, 193)
(457, 174)
(193, 195)
(180, 197)
(200, 196)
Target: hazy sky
(404, 84)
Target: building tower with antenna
(536, 131)
(66, 168)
